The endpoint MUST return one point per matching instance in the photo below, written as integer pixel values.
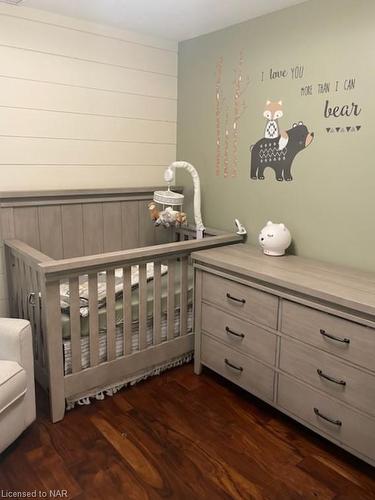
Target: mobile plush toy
(274, 239)
(170, 217)
(167, 217)
(154, 211)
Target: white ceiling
(174, 19)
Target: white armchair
(17, 390)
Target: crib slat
(171, 298)
(10, 273)
(111, 315)
(30, 294)
(27, 290)
(38, 304)
(15, 285)
(75, 326)
(25, 294)
(127, 309)
(93, 319)
(31, 309)
(39, 356)
(52, 324)
(157, 303)
(25, 305)
(43, 321)
(184, 285)
(142, 307)
(19, 288)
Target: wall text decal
(344, 110)
(294, 72)
(336, 110)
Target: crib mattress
(102, 311)
(85, 345)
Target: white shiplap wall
(82, 105)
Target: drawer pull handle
(331, 420)
(228, 363)
(241, 301)
(228, 330)
(331, 379)
(333, 337)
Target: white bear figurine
(274, 239)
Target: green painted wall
(329, 207)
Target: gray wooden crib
(109, 296)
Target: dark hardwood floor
(184, 437)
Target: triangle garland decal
(349, 128)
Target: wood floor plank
(201, 441)
(185, 461)
(181, 436)
(228, 452)
(5, 484)
(91, 473)
(18, 473)
(332, 479)
(180, 480)
(74, 439)
(49, 467)
(136, 458)
(344, 486)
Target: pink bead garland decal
(227, 136)
(240, 86)
(226, 145)
(219, 105)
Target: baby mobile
(170, 200)
(227, 119)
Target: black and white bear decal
(279, 149)
(266, 153)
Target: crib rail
(188, 232)
(67, 267)
(25, 288)
(35, 283)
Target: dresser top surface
(336, 284)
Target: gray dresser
(297, 333)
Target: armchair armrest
(16, 341)
(16, 345)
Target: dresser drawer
(329, 374)
(243, 300)
(356, 430)
(343, 338)
(240, 334)
(243, 371)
